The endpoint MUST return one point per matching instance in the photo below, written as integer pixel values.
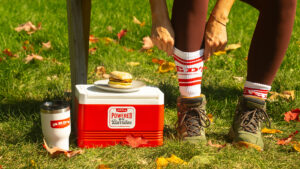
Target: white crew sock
(189, 71)
(256, 90)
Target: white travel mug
(56, 123)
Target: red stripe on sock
(190, 84)
(190, 60)
(189, 80)
(187, 63)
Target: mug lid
(56, 106)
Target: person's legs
(268, 47)
(188, 21)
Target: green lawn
(23, 87)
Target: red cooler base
(107, 125)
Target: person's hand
(215, 36)
(162, 36)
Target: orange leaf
(103, 166)
(28, 27)
(147, 43)
(122, 33)
(215, 145)
(210, 117)
(92, 50)
(292, 115)
(33, 57)
(93, 39)
(166, 67)
(127, 49)
(270, 131)
(136, 21)
(135, 141)
(46, 45)
(222, 52)
(296, 146)
(287, 140)
(159, 61)
(9, 53)
(56, 151)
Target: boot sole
(242, 144)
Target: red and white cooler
(107, 118)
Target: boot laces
(251, 119)
(194, 119)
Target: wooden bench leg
(79, 12)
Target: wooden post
(79, 12)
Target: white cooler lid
(89, 94)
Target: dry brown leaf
(56, 61)
(240, 79)
(133, 63)
(233, 46)
(127, 49)
(46, 45)
(100, 71)
(215, 145)
(287, 140)
(56, 151)
(166, 67)
(287, 95)
(110, 29)
(31, 57)
(108, 40)
(136, 21)
(28, 27)
(92, 50)
(147, 43)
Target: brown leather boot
(192, 119)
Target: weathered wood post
(79, 12)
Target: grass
(25, 86)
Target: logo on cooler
(121, 117)
(60, 123)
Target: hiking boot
(192, 119)
(246, 126)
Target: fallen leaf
(46, 46)
(92, 50)
(109, 28)
(56, 151)
(100, 71)
(292, 115)
(296, 146)
(240, 79)
(93, 39)
(7, 52)
(56, 61)
(176, 160)
(1, 59)
(246, 58)
(103, 166)
(215, 145)
(136, 21)
(135, 141)
(31, 57)
(127, 49)
(122, 33)
(166, 67)
(161, 162)
(33, 164)
(149, 52)
(287, 95)
(221, 52)
(244, 144)
(210, 117)
(108, 40)
(28, 27)
(287, 140)
(147, 43)
(133, 63)
(159, 61)
(233, 46)
(270, 131)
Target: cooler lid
(89, 94)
